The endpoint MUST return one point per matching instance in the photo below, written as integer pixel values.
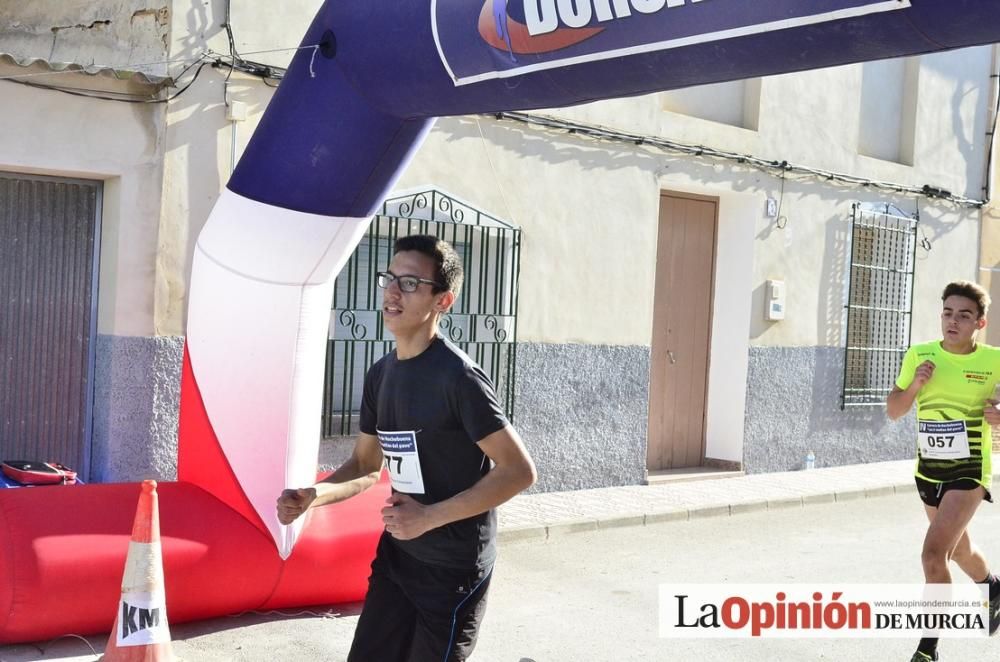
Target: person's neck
(961, 348)
(411, 345)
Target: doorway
(682, 327)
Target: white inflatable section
(258, 320)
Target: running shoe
(924, 657)
(994, 615)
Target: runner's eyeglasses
(406, 283)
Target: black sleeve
(369, 400)
(476, 404)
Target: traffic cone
(141, 632)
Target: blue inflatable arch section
(349, 115)
(334, 143)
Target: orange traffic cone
(141, 633)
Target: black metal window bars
(483, 322)
(879, 302)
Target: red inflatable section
(200, 459)
(63, 548)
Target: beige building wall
(588, 210)
(59, 137)
(201, 144)
(812, 119)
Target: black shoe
(994, 615)
(924, 657)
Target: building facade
(688, 262)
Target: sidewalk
(541, 516)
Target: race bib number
(402, 461)
(943, 440)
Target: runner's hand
(991, 413)
(923, 374)
(405, 518)
(293, 503)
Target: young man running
(952, 381)
(429, 413)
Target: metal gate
(483, 321)
(49, 238)
(879, 303)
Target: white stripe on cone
(142, 610)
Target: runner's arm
(353, 477)
(513, 472)
(900, 402)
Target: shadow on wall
(864, 432)
(971, 88)
(555, 148)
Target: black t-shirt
(429, 412)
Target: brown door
(682, 315)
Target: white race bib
(402, 460)
(943, 440)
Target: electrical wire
(496, 178)
(136, 67)
(104, 95)
(329, 613)
(768, 166)
(44, 648)
(780, 220)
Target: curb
(546, 531)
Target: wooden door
(682, 316)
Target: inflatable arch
(347, 118)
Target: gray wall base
(793, 407)
(582, 412)
(136, 398)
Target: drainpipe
(236, 112)
(989, 221)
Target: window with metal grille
(879, 302)
(483, 321)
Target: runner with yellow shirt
(952, 381)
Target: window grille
(483, 321)
(879, 303)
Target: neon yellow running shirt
(957, 391)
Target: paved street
(592, 596)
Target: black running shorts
(416, 612)
(931, 493)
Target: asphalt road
(594, 596)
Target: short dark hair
(447, 263)
(969, 290)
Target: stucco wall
(201, 145)
(582, 411)
(589, 210)
(118, 143)
(104, 33)
(137, 388)
(793, 407)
